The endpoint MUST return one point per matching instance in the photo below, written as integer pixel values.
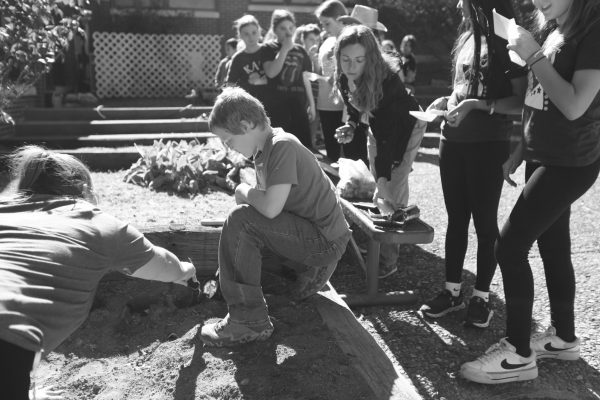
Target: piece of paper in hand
(505, 28)
(314, 77)
(424, 116)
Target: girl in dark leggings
(561, 147)
(487, 86)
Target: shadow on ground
(432, 351)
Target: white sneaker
(500, 364)
(548, 345)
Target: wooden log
(200, 244)
(372, 363)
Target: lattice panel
(154, 66)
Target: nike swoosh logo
(549, 347)
(506, 365)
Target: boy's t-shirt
(550, 138)
(328, 99)
(53, 252)
(285, 160)
(246, 70)
(289, 79)
(478, 125)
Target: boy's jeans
(398, 185)
(245, 233)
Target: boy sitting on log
(293, 212)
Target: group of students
(55, 244)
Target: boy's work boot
(227, 332)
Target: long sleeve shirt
(390, 122)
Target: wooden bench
(413, 232)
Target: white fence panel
(154, 65)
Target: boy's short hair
(331, 9)
(233, 106)
(410, 39)
(232, 42)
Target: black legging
(472, 180)
(542, 213)
(15, 367)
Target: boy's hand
(344, 134)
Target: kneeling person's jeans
(245, 233)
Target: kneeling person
(293, 212)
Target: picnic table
(412, 232)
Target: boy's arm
(164, 266)
(269, 202)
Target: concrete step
(51, 129)
(101, 113)
(108, 140)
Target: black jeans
(471, 175)
(542, 213)
(15, 367)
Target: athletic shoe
(548, 345)
(500, 364)
(479, 313)
(227, 332)
(387, 270)
(442, 304)
(312, 280)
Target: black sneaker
(479, 313)
(442, 304)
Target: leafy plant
(33, 35)
(188, 168)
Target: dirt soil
(140, 340)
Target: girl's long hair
(583, 14)
(481, 23)
(378, 66)
(35, 170)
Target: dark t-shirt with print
(289, 80)
(246, 71)
(550, 137)
(478, 125)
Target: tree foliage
(33, 35)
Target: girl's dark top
(390, 122)
(550, 138)
(289, 80)
(478, 125)
(246, 71)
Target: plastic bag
(356, 181)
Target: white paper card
(314, 77)
(425, 116)
(503, 27)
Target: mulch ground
(429, 352)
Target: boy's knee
(238, 216)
